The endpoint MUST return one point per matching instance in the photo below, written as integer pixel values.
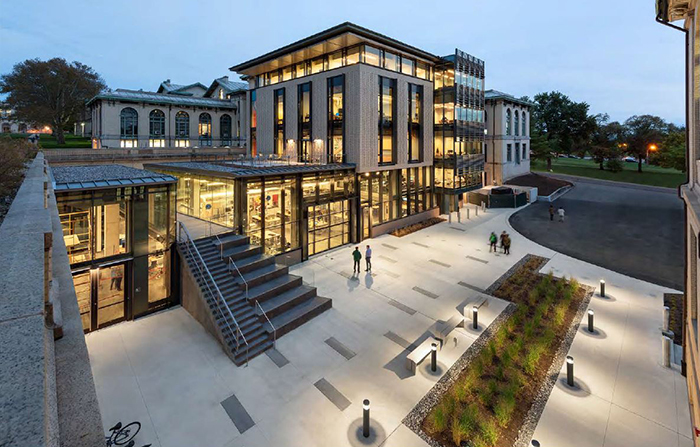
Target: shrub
(437, 422)
(471, 379)
(533, 357)
(614, 165)
(460, 392)
(574, 285)
(504, 409)
(529, 329)
(501, 337)
(492, 348)
(560, 313)
(489, 432)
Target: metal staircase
(252, 299)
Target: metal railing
(245, 283)
(221, 304)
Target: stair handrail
(202, 267)
(230, 262)
(274, 331)
(221, 247)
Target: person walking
(506, 244)
(503, 235)
(493, 241)
(561, 213)
(368, 259)
(356, 256)
(551, 212)
(116, 279)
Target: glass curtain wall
(391, 195)
(336, 122)
(253, 123)
(304, 122)
(386, 126)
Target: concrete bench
(441, 331)
(419, 354)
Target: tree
(50, 92)
(564, 123)
(671, 153)
(643, 131)
(606, 139)
(541, 148)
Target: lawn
(652, 175)
(48, 141)
(490, 400)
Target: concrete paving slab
(332, 394)
(340, 348)
(239, 416)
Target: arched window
(129, 128)
(225, 129)
(524, 132)
(508, 122)
(204, 129)
(182, 129)
(6, 128)
(156, 128)
(517, 123)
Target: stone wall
(47, 392)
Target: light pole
(651, 148)
(365, 418)
(570, 371)
(433, 357)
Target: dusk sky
(611, 54)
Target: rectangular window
(317, 65)
(287, 73)
(423, 70)
(517, 153)
(274, 77)
(524, 151)
(336, 121)
(509, 150)
(352, 56)
(372, 56)
(279, 122)
(335, 60)
(415, 122)
(407, 66)
(391, 61)
(386, 131)
(301, 69)
(304, 122)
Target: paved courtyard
(618, 226)
(167, 372)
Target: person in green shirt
(493, 239)
(356, 256)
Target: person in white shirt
(561, 213)
(368, 258)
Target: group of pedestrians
(505, 242)
(560, 213)
(357, 256)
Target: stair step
(240, 357)
(254, 262)
(241, 251)
(263, 274)
(287, 300)
(230, 240)
(299, 315)
(273, 288)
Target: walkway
(167, 372)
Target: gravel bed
(414, 419)
(496, 284)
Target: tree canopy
(51, 92)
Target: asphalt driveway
(632, 229)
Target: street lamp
(651, 148)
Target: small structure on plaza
(118, 227)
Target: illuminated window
(336, 104)
(156, 128)
(279, 121)
(129, 128)
(391, 61)
(408, 66)
(372, 56)
(386, 107)
(304, 121)
(204, 129)
(253, 124)
(221, 93)
(182, 129)
(415, 122)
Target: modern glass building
(293, 209)
(118, 227)
(459, 128)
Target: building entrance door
(366, 223)
(101, 294)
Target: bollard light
(475, 317)
(666, 351)
(433, 357)
(365, 418)
(667, 316)
(534, 443)
(570, 371)
(591, 328)
(602, 288)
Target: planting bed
(490, 400)
(403, 231)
